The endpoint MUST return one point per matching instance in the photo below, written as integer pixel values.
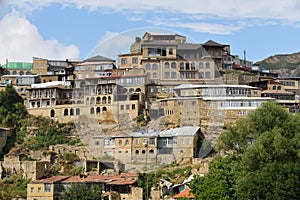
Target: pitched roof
(98, 58)
(185, 194)
(122, 182)
(52, 179)
(90, 179)
(212, 43)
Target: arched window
(66, 112)
(104, 100)
(92, 110)
(187, 66)
(207, 65)
(200, 65)
(28, 73)
(167, 65)
(104, 109)
(193, 66)
(109, 100)
(21, 73)
(279, 88)
(71, 111)
(92, 101)
(151, 151)
(14, 73)
(138, 90)
(98, 110)
(148, 66)
(77, 111)
(181, 66)
(274, 87)
(52, 113)
(87, 101)
(137, 152)
(173, 65)
(143, 152)
(98, 100)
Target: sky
(79, 29)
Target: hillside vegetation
(284, 64)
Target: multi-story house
(124, 185)
(168, 60)
(276, 89)
(210, 106)
(53, 70)
(153, 147)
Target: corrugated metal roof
(182, 131)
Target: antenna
(244, 58)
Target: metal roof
(18, 66)
(182, 131)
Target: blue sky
(60, 29)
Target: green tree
(264, 161)
(12, 109)
(81, 191)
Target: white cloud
(20, 41)
(197, 11)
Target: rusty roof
(90, 179)
(122, 182)
(52, 179)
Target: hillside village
(163, 104)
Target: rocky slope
(283, 64)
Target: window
(136, 141)
(92, 110)
(65, 112)
(97, 143)
(151, 151)
(123, 61)
(240, 113)
(31, 189)
(137, 152)
(71, 111)
(201, 74)
(154, 66)
(181, 141)
(121, 107)
(167, 74)
(135, 60)
(133, 107)
(39, 189)
(274, 87)
(173, 75)
(173, 65)
(154, 75)
(207, 74)
(127, 107)
(200, 65)
(170, 51)
(77, 111)
(148, 66)
(193, 66)
(152, 141)
(126, 142)
(120, 142)
(181, 66)
(207, 65)
(48, 187)
(167, 65)
(188, 141)
(52, 113)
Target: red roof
(185, 193)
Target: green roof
(18, 66)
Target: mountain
(283, 64)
